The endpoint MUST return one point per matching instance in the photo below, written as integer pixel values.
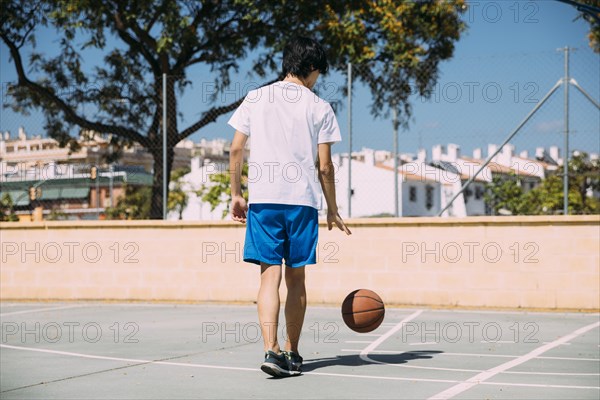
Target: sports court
(105, 350)
(468, 172)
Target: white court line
(499, 341)
(539, 385)
(40, 309)
(134, 360)
(438, 354)
(193, 365)
(479, 370)
(563, 344)
(569, 358)
(528, 313)
(505, 372)
(364, 354)
(461, 387)
(551, 373)
(478, 355)
(432, 368)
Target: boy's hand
(238, 209)
(334, 218)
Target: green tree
(588, 15)
(398, 44)
(133, 204)
(56, 214)
(504, 195)
(7, 212)
(178, 198)
(218, 191)
(547, 198)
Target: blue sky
(504, 64)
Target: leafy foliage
(178, 197)
(594, 33)
(7, 213)
(219, 190)
(133, 204)
(396, 44)
(56, 214)
(505, 193)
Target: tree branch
(159, 11)
(146, 39)
(144, 36)
(198, 59)
(31, 28)
(70, 114)
(184, 57)
(134, 44)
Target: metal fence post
(395, 123)
(566, 156)
(349, 140)
(164, 146)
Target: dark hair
(302, 55)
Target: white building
(36, 157)
(425, 185)
(211, 157)
(423, 189)
(201, 171)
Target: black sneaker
(276, 365)
(294, 361)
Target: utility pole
(566, 146)
(164, 112)
(349, 140)
(395, 152)
(98, 185)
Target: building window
(478, 192)
(531, 185)
(429, 197)
(488, 209)
(412, 193)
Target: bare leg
(268, 304)
(295, 306)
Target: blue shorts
(281, 231)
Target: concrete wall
(538, 262)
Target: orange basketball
(363, 310)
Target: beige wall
(533, 262)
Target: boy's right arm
(327, 180)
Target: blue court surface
(93, 350)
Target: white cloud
(431, 125)
(553, 126)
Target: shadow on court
(166, 351)
(354, 360)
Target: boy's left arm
(236, 160)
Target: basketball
(363, 310)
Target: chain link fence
(488, 138)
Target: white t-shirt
(285, 122)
